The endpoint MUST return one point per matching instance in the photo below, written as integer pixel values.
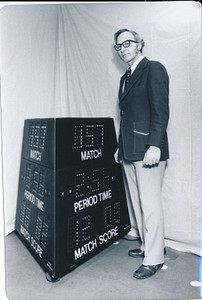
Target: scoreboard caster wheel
(52, 278)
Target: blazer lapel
(134, 77)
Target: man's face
(130, 54)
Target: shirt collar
(134, 65)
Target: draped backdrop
(57, 60)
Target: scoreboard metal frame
(71, 198)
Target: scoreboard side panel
(34, 216)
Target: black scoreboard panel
(39, 141)
(35, 210)
(71, 198)
(72, 140)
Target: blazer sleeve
(158, 91)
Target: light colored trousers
(144, 185)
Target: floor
(107, 276)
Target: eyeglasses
(125, 44)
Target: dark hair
(135, 35)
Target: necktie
(128, 74)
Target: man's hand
(152, 156)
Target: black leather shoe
(146, 271)
(129, 237)
(138, 252)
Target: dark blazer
(144, 109)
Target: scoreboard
(71, 199)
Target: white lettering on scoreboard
(103, 238)
(91, 154)
(90, 246)
(92, 200)
(34, 200)
(37, 248)
(25, 233)
(34, 244)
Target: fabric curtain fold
(58, 60)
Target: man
(143, 145)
